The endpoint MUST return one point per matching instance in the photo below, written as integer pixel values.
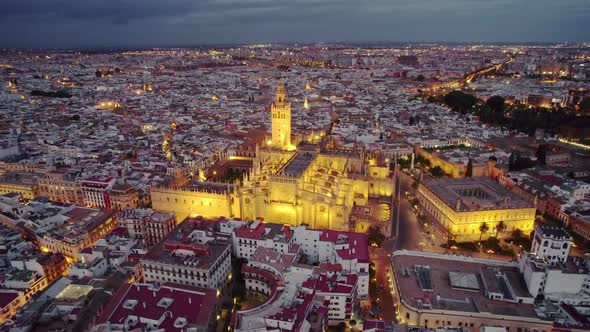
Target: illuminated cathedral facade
(314, 182)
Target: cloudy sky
(106, 23)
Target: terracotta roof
(191, 303)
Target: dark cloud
(63, 23)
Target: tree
(62, 94)
(500, 227)
(403, 162)
(492, 243)
(352, 322)
(585, 105)
(98, 74)
(437, 172)
(512, 160)
(482, 229)
(517, 234)
(517, 163)
(459, 101)
(469, 170)
(451, 239)
(375, 236)
(420, 78)
(541, 154)
(496, 103)
(341, 327)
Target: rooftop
(74, 292)
(461, 284)
(358, 244)
(174, 306)
(7, 296)
(193, 242)
(297, 165)
(258, 230)
(557, 233)
(475, 193)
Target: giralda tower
(281, 119)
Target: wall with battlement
(192, 203)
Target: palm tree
(517, 234)
(500, 227)
(482, 229)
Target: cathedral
(311, 182)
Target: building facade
(123, 195)
(551, 244)
(95, 191)
(149, 226)
(463, 205)
(191, 255)
(83, 228)
(61, 187)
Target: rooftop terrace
(460, 284)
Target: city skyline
(63, 24)
(258, 171)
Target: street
(405, 235)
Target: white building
(95, 191)
(549, 272)
(348, 249)
(91, 263)
(551, 244)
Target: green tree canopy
(375, 236)
(469, 170)
(459, 101)
(482, 229)
(496, 103)
(436, 171)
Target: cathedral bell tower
(281, 119)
